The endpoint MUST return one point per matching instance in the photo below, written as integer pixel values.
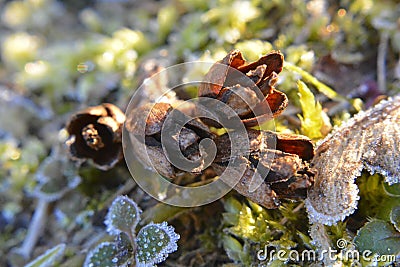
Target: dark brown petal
(263, 195)
(114, 112)
(273, 105)
(216, 76)
(234, 59)
(295, 144)
(273, 60)
(199, 128)
(257, 74)
(153, 114)
(296, 187)
(240, 99)
(281, 168)
(107, 157)
(258, 140)
(158, 160)
(267, 85)
(186, 138)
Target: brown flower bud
(278, 159)
(95, 134)
(156, 153)
(248, 88)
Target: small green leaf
(312, 121)
(232, 247)
(232, 205)
(154, 243)
(109, 254)
(395, 217)
(379, 237)
(123, 216)
(49, 258)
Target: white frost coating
(118, 213)
(374, 146)
(389, 178)
(317, 217)
(168, 246)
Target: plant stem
(35, 229)
(309, 78)
(299, 207)
(381, 60)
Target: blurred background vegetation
(58, 57)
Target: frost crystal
(122, 216)
(371, 139)
(154, 243)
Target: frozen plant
(150, 246)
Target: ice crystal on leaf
(105, 254)
(123, 216)
(154, 243)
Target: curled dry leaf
(280, 160)
(248, 88)
(95, 134)
(371, 139)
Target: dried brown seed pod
(248, 88)
(280, 160)
(152, 153)
(95, 134)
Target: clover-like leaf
(379, 237)
(109, 254)
(154, 243)
(49, 258)
(123, 216)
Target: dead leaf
(370, 140)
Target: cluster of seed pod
(279, 161)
